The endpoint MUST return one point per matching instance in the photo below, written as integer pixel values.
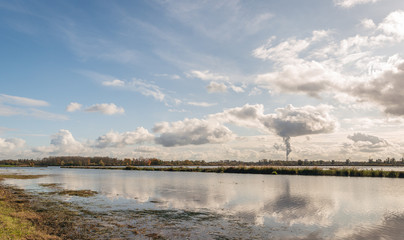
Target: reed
(348, 172)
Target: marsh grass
(348, 172)
(51, 185)
(16, 220)
(21, 176)
(78, 193)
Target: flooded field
(178, 205)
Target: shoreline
(313, 171)
(18, 220)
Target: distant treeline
(108, 161)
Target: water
(211, 206)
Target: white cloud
(165, 75)
(73, 106)
(255, 91)
(307, 77)
(215, 87)
(207, 75)
(143, 87)
(114, 139)
(191, 131)
(393, 24)
(9, 144)
(22, 101)
(15, 105)
(352, 3)
(147, 89)
(114, 83)
(366, 143)
(285, 122)
(368, 23)
(316, 67)
(386, 90)
(245, 116)
(201, 104)
(105, 108)
(237, 89)
(291, 121)
(62, 142)
(284, 51)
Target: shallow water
(210, 206)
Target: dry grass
(20, 176)
(79, 193)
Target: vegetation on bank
(314, 171)
(108, 161)
(17, 221)
(349, 172)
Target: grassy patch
(79, 193)
(349, 172)
(51, 185)
(20, 176)
(18, 222)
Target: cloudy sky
(205, 80)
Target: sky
(202, 80)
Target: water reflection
(289, 207)
(292, 209)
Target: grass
(51, 185)
(20, 176)
(349, 172)
(18, 222)
(8, 165)
(79, 193)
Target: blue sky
(207, 80)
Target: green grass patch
(17, 222)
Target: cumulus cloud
(319, 65)
(191, 131)
(9, 144)
(386, 90)
(73, 106)
(352, 3)
(62, 142)
(215, 87)
(393, 24)
(245, 116)
(105, 108)
(291, 121)
(367, 143)
(285, 122)
(310, 78)
(115, 139)
(368, 23)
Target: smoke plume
(286, 140)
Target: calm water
(234, 206)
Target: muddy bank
(25, 215)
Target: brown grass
(79, 193)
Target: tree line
(109, 161)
